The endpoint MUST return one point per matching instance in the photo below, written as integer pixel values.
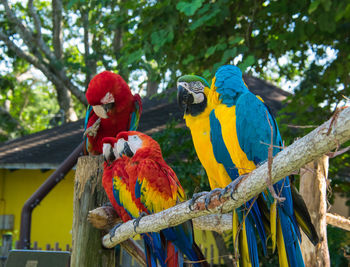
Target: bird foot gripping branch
(216, 197)
(92, 130)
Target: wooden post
(313, 188)
(87, 249)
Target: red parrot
(114, 109)
(115, 181)
(155, 187)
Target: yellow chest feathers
(200, 130)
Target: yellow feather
(273, 218)
(227, 116)
(125, 197)
(235, 224)
(282, 255)
(244, 250)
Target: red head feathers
(114, 109)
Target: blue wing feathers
(219, 148)
(253, 125)
(229, 84)
(138, 186)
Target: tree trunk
(152, 88)
(313, 188)
(88, 194)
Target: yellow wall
(52, 218)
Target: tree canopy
(70, 41)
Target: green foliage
(338, 245)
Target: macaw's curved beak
(184, 98)
(102, 110)
(127, 150)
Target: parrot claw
(92, 130)
(137, 220)
(195, 197)
(112, 231)
(209, 196)
(232, 187)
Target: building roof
(48, 148)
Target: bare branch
(338, 153)
(57, 27)
(34, 15)
(302, 151)
(89, 70)
(338, 221)
(214, 222)
(301, 126)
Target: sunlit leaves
(189, 8)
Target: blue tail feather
(290, 240)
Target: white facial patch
(196, 89)
(135, 143)
(100, 111)
(106, 149)
(118, 148)
(107, 99)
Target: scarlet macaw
(230, 128)
(112, 109)
(115, 181)
(156, 188)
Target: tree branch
(34, 15)
(338, 221)
(320, 141)
(57, 28)
(56, 75)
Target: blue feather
(229, 84)
(182, 237)
(253, 120)
(219, 148)
(222, 156)
(138, 186)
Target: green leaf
(206, 74)
(134, 57)
(313, 6)
(247, 62)
(202, 20)
(159, 38)
(229, 54)
(210, 51)
(327, 5)
(235, 40)
(188, 59)
(189, 8)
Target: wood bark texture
(313, 189)
(88, 194)
(323, 139)
(104, 218)
(338, 221)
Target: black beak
(127, 151)
(184, 98)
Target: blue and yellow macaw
(230, 128)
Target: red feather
(119, 116)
